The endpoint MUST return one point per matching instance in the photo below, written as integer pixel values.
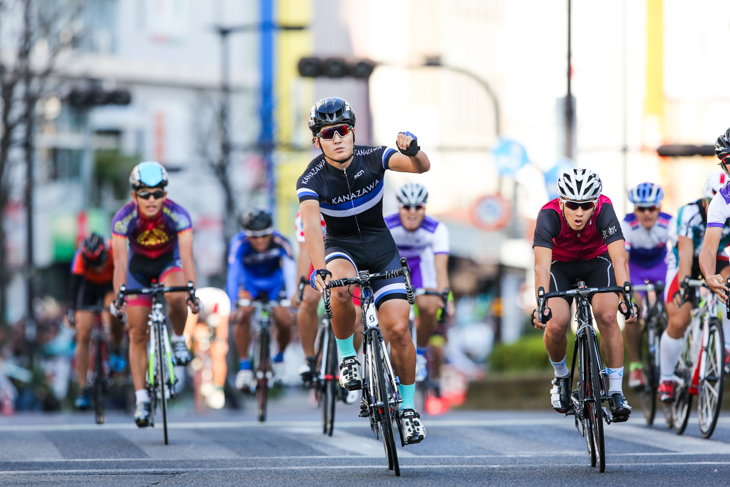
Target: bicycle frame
(707, 308)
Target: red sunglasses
(329, 134)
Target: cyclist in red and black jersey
(578, 237)
(92, 270)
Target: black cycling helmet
(722, 149)
(94, 250)
(330, 111)
(257, 222)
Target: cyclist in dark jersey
(345, 185)
(578, 237)
(160, 237)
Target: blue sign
(510, 156)
(552, 175)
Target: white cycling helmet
(579, 185)
(412, 194)
(714, 182)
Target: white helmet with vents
(579, 185)
(714, 182)
(412, 194)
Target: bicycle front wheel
(682, 397)
(594, 409)
(711, 382)
(99, 382)
(262, 372)
(331, 385)
(648, 392)
(385, 414)
(162, 386)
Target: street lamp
(435, 61)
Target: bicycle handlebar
(365, 278)
(274, 303)
(303, 281)
(687, 283)
(656, 286)
(581, 290)
(155, 289)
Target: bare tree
(33, 35)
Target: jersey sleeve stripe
(714, 224)
(387, 154)
(306, 193)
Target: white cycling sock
(561, 370)
(142, 396)
(177, 338)
(669, 350)
(615, 380)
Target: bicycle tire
(682, 398)
(648, 392)
(330, 384)
(595, 408)
(709, 400)
(99, 379)
(161, 377)
(263, 367)
(385, 413)
(583, 389)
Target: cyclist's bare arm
(311, 221)
(543, 260)
(685, 248)
(119, 248)
(403, 163)
(708, 262)
(185, 244)
(441, 262)
(304, 263)
(620, 260)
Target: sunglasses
(145, 195)
(412, 207)
(643, 209)
(329, 134)
(574, 205)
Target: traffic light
(92, 97)
(335, 67)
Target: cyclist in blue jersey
(260, 264)
(152, 241)
(345, 184)
(647, 231)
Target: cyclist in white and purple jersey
(718, 215)
(424, 242)
(647, 231)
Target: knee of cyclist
(309, 303)
(176, 301)
(554, 335)
(606, 319)
(83, 337)
(138, 337)
(342, 298)
(400, 334)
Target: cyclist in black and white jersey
(345, 184)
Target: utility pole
(569, 109)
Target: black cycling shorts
(383, 289)
(91, 294)
(596, 272)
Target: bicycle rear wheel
(595, 410)
(384, 411)
(262, 371)
(711, 387)
(330, 384)
(99, 382)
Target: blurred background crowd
(502, 94)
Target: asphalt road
(463, 448)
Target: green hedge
(525, 355)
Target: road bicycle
(428, 387)
(654, 325)
(161, 378)
(261, 344)
(381, 398)
(325, 383)
(699, 371)
(591, 390)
